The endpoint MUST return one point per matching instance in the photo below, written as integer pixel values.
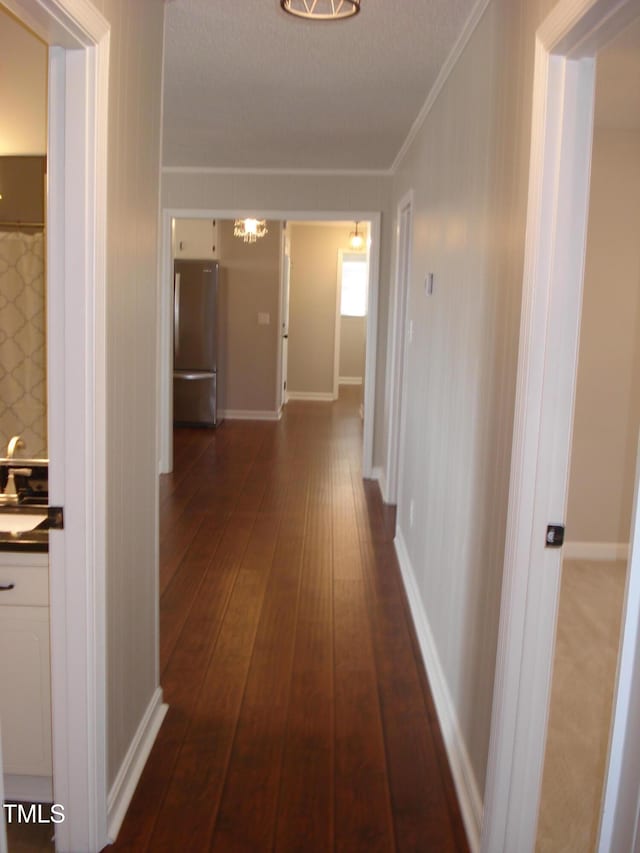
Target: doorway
(397, 346)
(326, 309)
(278, 216)
(603, 463)
(23, 148)
(78, 40)
(351, 320)
(25, 672)
(562, 130)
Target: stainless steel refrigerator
(195, 343)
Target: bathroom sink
(13, 522)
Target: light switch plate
(428, 284)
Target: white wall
(607, 413)
(132, 458)
(468, 167)
(23, 89)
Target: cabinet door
(25, 690)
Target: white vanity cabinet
(25, 675)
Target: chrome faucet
(10, 494)
(15, 443)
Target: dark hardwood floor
(300, 717)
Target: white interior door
(398, 347)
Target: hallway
(299, 713)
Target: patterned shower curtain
(23, 364)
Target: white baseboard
(318, 396)
(131, 768)
(350, 380)
(378, 474)
(28, 789)
(596, 550)
(250, 415)
(459, 761)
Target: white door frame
(562, 131)
(78, 37)
(337, 329)
(165, 398)
(397, 346)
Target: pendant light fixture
(250, 229)
(356, 240)
(321, 10)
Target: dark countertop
(30, 540)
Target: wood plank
(182, 681)
(306, 803)
(363, 809)
(247, 814)
(190, 807)
(183, 589)
(425, 807)
(300, 715)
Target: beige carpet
(586, 657)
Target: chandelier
(321, 10)
(249, 229)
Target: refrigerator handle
(176, 315)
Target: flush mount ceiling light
(249, 229)
(356, 240)
(321, 10)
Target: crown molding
(456, 51)
(222, 170)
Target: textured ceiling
(247, 86)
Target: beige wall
(353, 335)
(468, 167)
(312, 306)
(305, 193)
(23, 89)
(249, 285)
(131, 446)
(607, 414)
